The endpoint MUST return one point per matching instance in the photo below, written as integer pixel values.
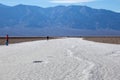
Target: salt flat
(60, 59)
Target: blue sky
(113, 5)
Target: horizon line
(58, 5)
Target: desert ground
(60, 59)
(12, 40)
(112, 40)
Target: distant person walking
(47, 37)
(7, 40)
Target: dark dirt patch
(37, 61)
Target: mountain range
(26, 20)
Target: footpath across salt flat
(60, 59)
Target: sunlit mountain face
(59, 20)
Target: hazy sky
(113, 5)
